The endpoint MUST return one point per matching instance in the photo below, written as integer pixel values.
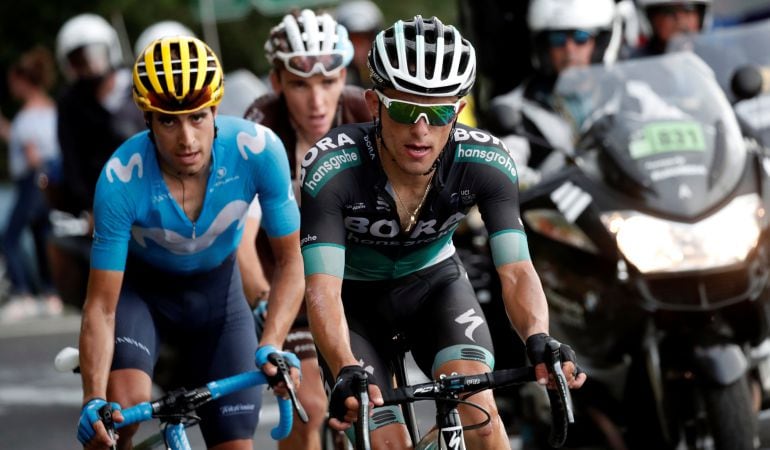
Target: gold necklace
(413, 214)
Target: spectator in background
(667, 18)
(363, 20)
(96, 114)
(34, 158)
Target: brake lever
(284, 374)
(105, 414)
(561, 400)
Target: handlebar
(182, 403)
(466, 385)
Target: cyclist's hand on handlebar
(265, 361)
(343, 403)
(92, 432)
(537, 350)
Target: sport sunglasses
(436, 114)
(559, 38)
(304, 65)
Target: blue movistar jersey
(135, 212)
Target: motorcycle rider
(377, 260)
(565, 33)
(309, 54)
(668, 18)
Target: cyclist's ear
(372, 102)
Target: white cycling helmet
(359, 16)
(704, 11)
(88, 30)
(166, 28)
(309, 44)
(597, 15)
(423, 57)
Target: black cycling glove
(537, 350)
(346, 386)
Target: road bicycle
(449, 391)
(176, 410)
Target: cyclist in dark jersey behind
(379, 205)
(308, 53)
(168, 214)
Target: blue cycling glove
(89, 415)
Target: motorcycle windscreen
(658, 130)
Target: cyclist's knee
(391, 437)
(127, 387)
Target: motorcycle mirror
(749, 81)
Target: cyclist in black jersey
(309, 54)
(380, 202)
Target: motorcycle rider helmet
(423, 57)
(166, 28)
(177, 75)
(597, 16)
(87, 40)
(648, 6)
(359, 16)
(309, 44)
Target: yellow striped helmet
(177, 75)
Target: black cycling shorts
(208, 320)
(435, 309)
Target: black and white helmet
(423, 57)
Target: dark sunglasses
(673, 10)
(436, 114)
(559, 38)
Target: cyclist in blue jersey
(168, 215)
(380, 202)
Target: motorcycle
(651, 241)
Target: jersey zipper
(193, 233)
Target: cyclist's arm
(97, 333)
(327, 320)
(287, 288)
(524, 298)
(255, 284)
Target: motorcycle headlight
(657, 245)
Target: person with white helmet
(168, 210)
(380, 203)
(363, 20)
(668, 18)
(95, 115)
(565, 33)
(164, 28)
(309, 54)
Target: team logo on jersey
(124, 173)
(329, 165)
(233, 212)
(491, 156)
(254, 143)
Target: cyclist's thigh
(450, 325)
(137, 337)
(224, 348)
